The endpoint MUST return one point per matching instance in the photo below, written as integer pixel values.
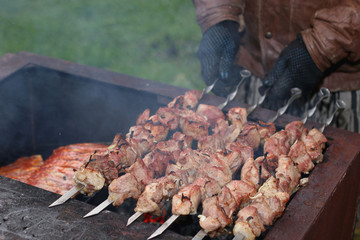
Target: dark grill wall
(42, 109)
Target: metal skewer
(163, 227)
(132, 219)
(99, 208)
(69, 194)
(258, 103)
(244, 75)
(200, 235)
(207, 89)
(340, 105)
(238, 237)
(295, 93)
(322, 94)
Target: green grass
(156, 40)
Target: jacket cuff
(211, 12)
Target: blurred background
(156, 40)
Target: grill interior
(46, 103)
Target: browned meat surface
(157, 193)
(254, 134)
(56, 173)
(300, 157)
(295, 130)
(266, 130)
(211, 113)
(287, 174)
(194, 125)
(250, 136)
(187, 101)
(22, 168)
(278, 144)
(168, 117)
(143, 117)
(237, 116)
(131, 184)
(249, 214)
(314, 144)
(218, 210)
(187, 200)
(235, 155)
(253, 172)
(143, 171)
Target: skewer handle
(323, 94)
(258, 103)
(207, 89)
(340, 105)
(295, 93)
(244, 75)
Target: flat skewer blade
(163, 227)
(133, 218)
(99, 208)
(200, 235)
(74, 190)
(239, 236)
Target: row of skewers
(153, 167)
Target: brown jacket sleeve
(335, 35)
(210, 12)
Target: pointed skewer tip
(163, 227)
(99, 208)
(132, 219)
(200, 235)
(69, 194)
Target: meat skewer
(132, 184)
(295, 131)
(244, 229)
(151, 201)
(144, 171)
(271, 199)
(295, 94)
(123, 152)
(231, 198)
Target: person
(300, 43)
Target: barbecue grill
(46, 103)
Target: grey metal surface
(24, 214)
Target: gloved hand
(217, 51)
(294, 68)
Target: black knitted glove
(217, 51)
(294, 68)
